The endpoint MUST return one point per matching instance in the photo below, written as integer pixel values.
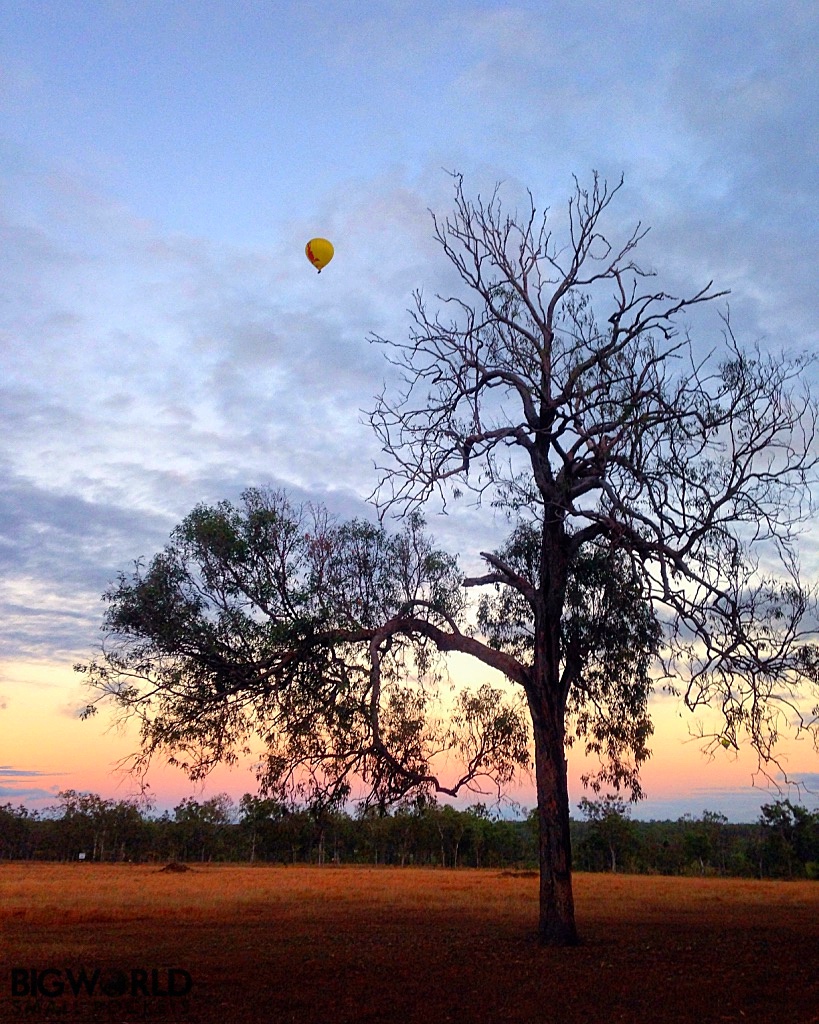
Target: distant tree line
(783, 843)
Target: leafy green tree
(643, 487)
(260, 621)
(201, 827)
(406, 832)
(790, 836)
(712, 826)
(451, 826)
(610, 828)
(258, 819)
(17, 832)
(83, 824)
(478, 826)
(376, 833)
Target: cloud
(17, 789)
(172, 353)
(810, 780)
(708, 122)
(58, 552)
(26, 794)
(738, 804)
(8, 770)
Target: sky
(164, 342)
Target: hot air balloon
(319, 251)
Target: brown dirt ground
(351, 945)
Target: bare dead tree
(609, 436)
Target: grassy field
(351, 945)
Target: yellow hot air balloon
(319, 251)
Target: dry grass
(300, 945)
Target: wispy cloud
(13, 784)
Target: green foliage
(17, 832)
(101, 829)
(610, 638)
(487, 729)
(610, 831)
(257, 622)
(202, 827)
(506, 618)
(790, 838)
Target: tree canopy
(258, 621)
